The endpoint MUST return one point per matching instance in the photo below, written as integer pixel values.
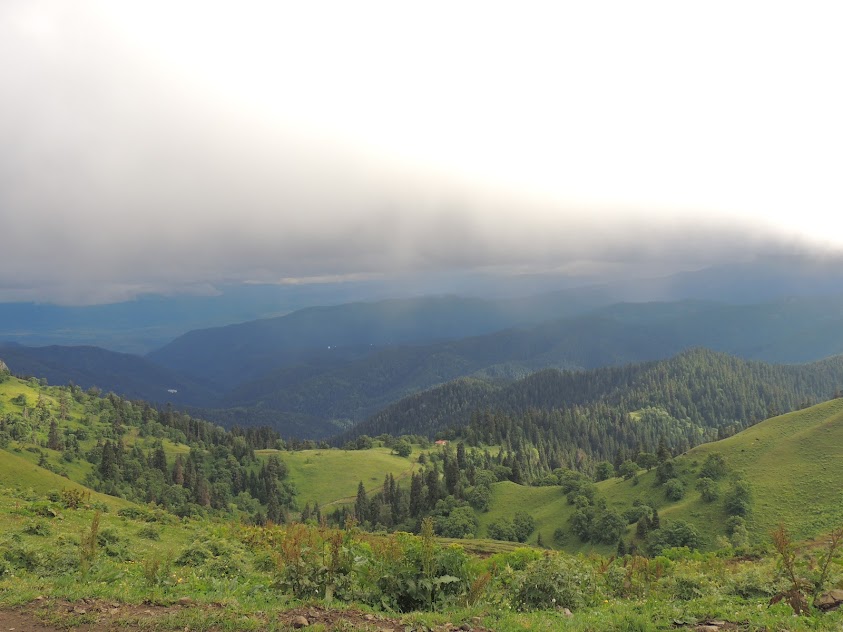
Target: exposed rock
(567, 613)
(3, 366)
(300, 622)
(830, 600)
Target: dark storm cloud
(118, 176)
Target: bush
(72, 498)
(714, 466)
(738, 499)
(708, 489)
(22, 557)
(502, 530)
(674, 534)
(217, 557)
(149, 533)
(674, 489)
(555, 581)
(460, 523)
(37, 527)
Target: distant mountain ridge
(318, 371)
(706, 388)
(129, 375)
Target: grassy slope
(329, 476)
(17, 472)
(794, 464)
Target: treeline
(569, 416)
(453, 483)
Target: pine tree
(416, 495)
(159, 459)
(273, 510)
(461, 460)
(53, 440)
(361, 505)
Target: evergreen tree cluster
(566, 419)
(219, 472)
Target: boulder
(830, 600)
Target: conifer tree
(361, 505)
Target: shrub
(460, 523)
(72, 498)
(674, 534)
(37, 527)
(714, 466)
(216, 556)
(738, 499)
(149, 532)
(44, 509)
(502, 530)
(555, 581)
(674, 489)
(22, 556)
(708, 489)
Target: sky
(169, 147)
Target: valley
(182, 532)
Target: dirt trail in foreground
(97, 616)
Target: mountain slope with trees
(707, 394)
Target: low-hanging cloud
(120, 177)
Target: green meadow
(331, 477)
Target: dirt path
(22, 622)
(62, 616)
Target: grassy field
(793, 463)
(168, 574)
(331, 477)
(21, 475)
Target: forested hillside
(694, 397)
(319, 371)
(131, 376)
(131, 450)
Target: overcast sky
(164, 146)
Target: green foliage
(555, 581)
(737, 501)
(674, 489)
(604, 470)
(714, 466)
(708, 489)
(149, 532)
(402, 448)
(516, 529)
(676, 533)
(460, 523)
(88, 545)
(73, 498)
(38, 527)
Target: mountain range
(321, 370)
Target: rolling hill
(792, 463)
